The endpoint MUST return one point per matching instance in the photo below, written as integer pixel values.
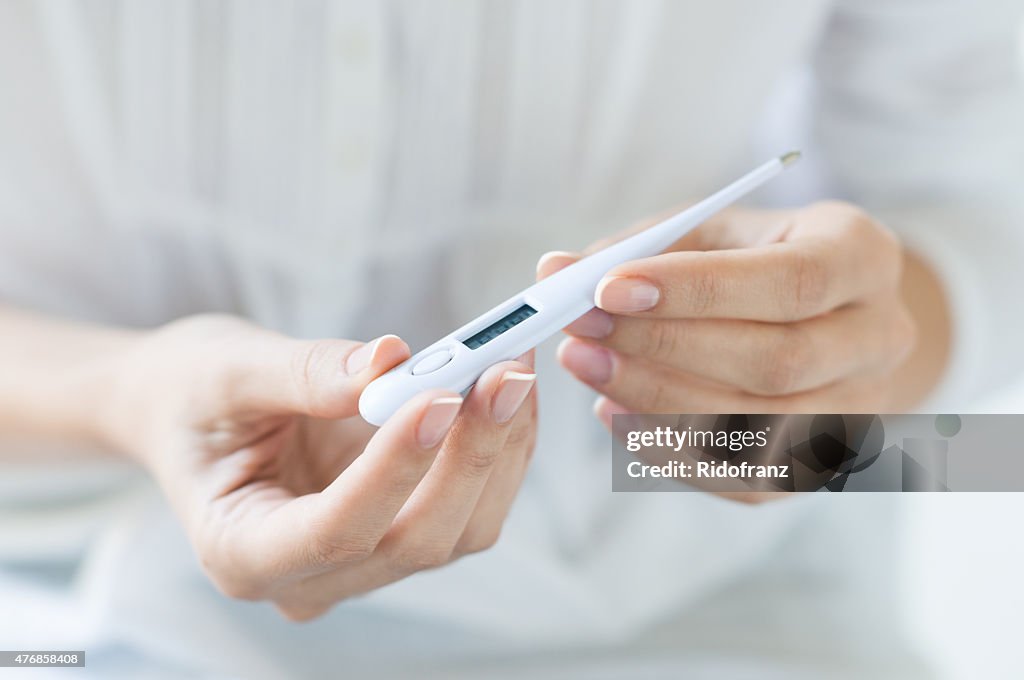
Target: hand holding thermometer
(522, 322)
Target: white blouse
(354, 168)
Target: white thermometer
(522, 322)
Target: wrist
(95, 404)
(59, 377)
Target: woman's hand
(285, 494)
(755, 312)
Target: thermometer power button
(432, 362)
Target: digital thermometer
(522, 322)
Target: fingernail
(599, 411)
(605, 408)
(594, 324)
(437, 420)
(626, 294)
(546, 258)
(589, 363)
(511, 394)
(362, 357)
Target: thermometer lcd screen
(500, 326)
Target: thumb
(320, 378)
(551, 262)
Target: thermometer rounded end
(382, 398)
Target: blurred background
(963, 569)
(962, 563)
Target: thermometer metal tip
(790, 158)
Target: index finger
(345, 522)
(780, 282)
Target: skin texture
(285, 493)
(762, 311)
(813, 310)
(288, 496)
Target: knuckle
(234, 576)
(239, 588)
(308, 364)
(869, 236)
(786, 363)
(327, 549)
(478, 539)
(660, 341)
(654, 396)
(300, 613)
(478, 460)
(883, 244)
(702, 290)
(851, 213)
(807, 287)
(860, 225)
(418, 556)
(326, 552)
(839, 212)
(521, 436)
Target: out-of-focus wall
(964, 565)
